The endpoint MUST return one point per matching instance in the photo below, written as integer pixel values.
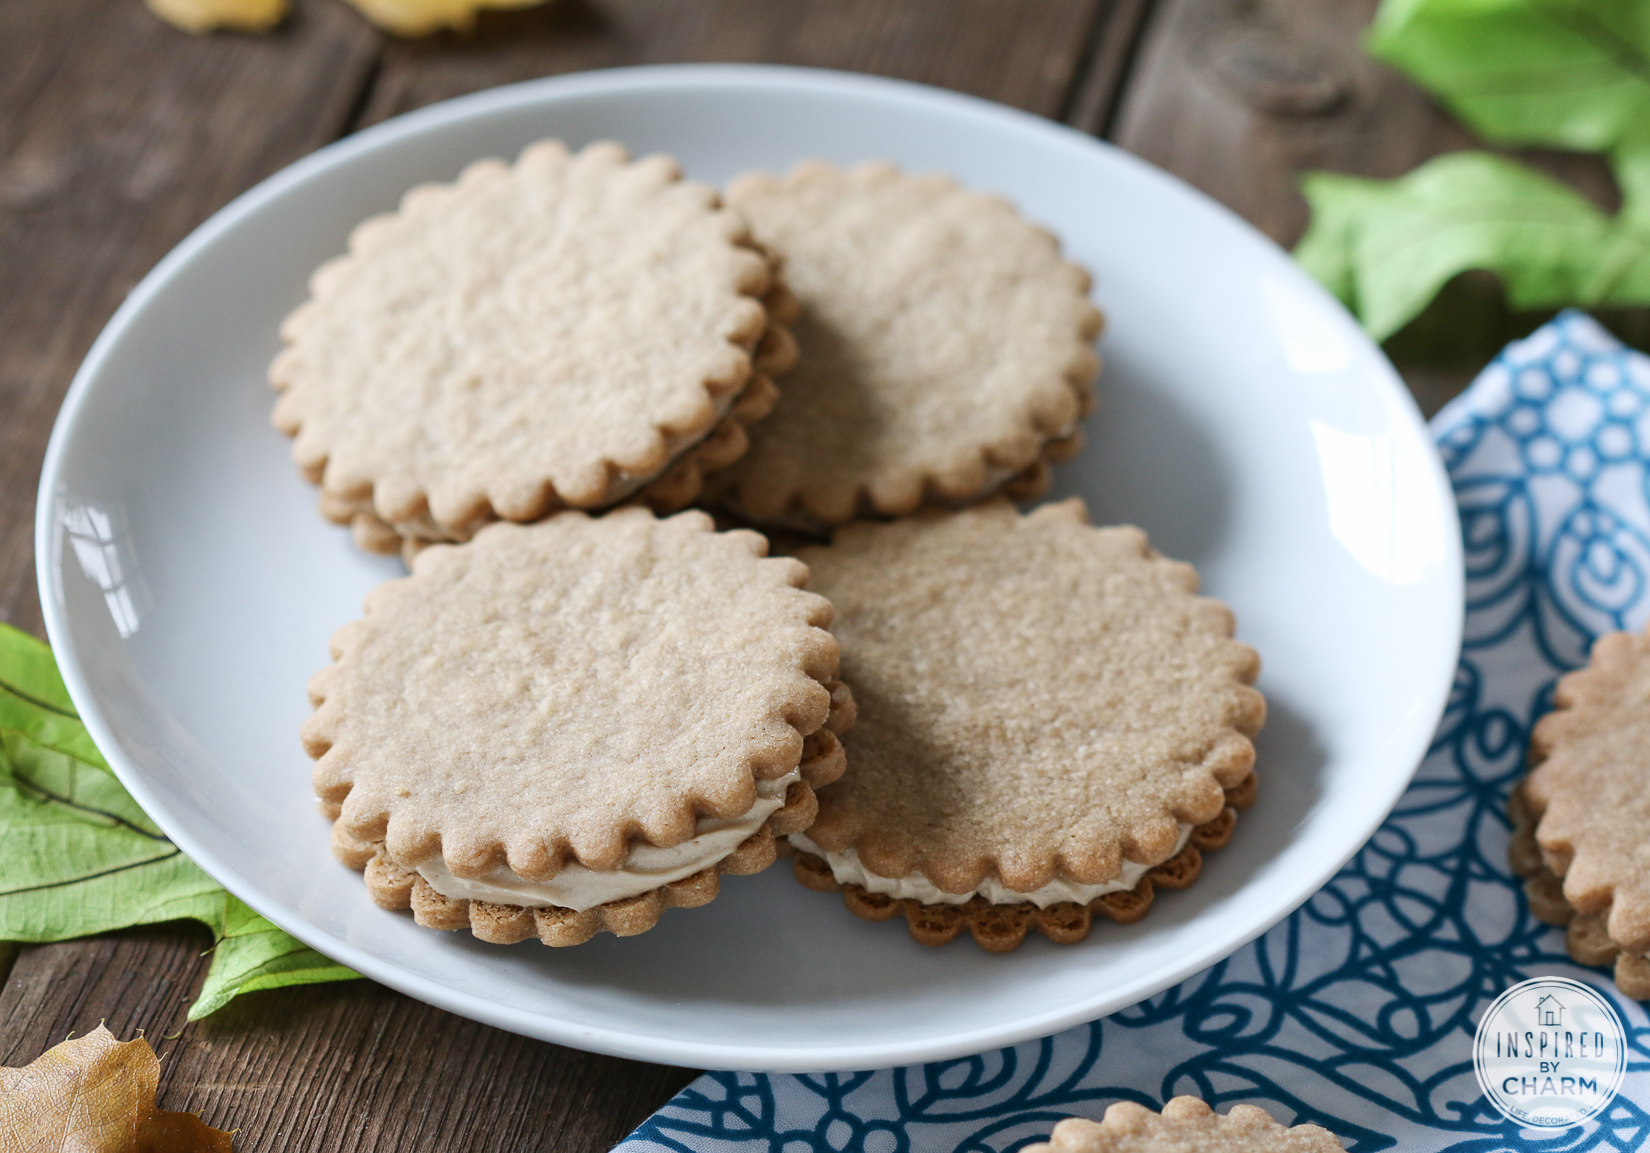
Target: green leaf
(1557, 73)
(1386, 247)
(78, 856)
(34, 702)
(1569, 74)
(253, 954)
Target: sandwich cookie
(946, 348)
(1581, 819)
(1052, 724)
(569, 331)
(567, 727)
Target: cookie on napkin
(565, 332)
(1186, 1125)
(946, 348)
(1051, 723)
(1582, 817)
(568, 727)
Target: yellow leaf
(205, 15)
(94, 1094)
(421, 17)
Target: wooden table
(119, 134)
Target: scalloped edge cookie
(1186, 1125)
(520, 759)
(1587, 935)
(1002, 928)
(942, 245)
(396, 887)
(991, 654)
(1569, 842)
(450, 491)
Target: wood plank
(1102, 79)
(346, 1068)
(120, 134)
(1024, 53)
(1239, 97)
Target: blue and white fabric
(1358, 1011)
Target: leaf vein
(29, 698)
(92, 876)
(76, 805)
(1597, 32)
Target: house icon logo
(1550, 1053)
(1549, 1012)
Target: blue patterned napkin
(1358, 1011)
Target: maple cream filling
(847, 869)
(645, 868)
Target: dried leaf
(422, 17)
(201, 16)
(95, 1094)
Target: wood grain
(346, 1068)
(1023, 53)
(1239, 97)
(1101, 83)
(118, 135)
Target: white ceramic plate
(1245, 422)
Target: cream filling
(646, 868)
(847, 869)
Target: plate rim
(629, 1042)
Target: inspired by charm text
(1550, 1052)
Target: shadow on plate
(1148, 462)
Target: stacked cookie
(568, 727)
(568, 332)
(948, 348)
(1579, 817)
(568, 719)
(1052, 724)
